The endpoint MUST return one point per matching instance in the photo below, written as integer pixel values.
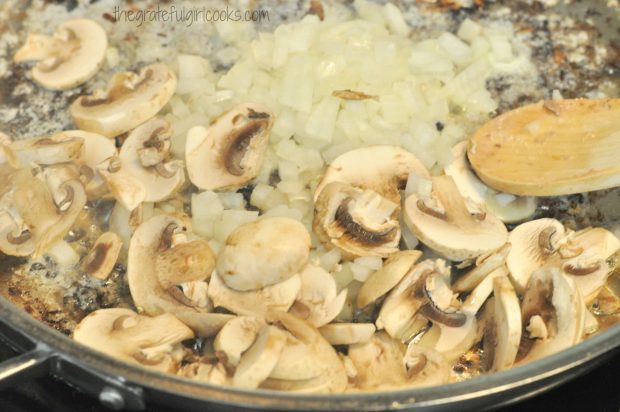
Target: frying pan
(44, 350)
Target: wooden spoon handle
(555, 147)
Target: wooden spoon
(554, 147)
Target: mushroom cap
(318, 296)
(554, 298)
(517, 209)
(142, 340)
(532, 244)
(381, 168)
(297, 363)
(260, 359)
(230, 152)
(278, 296)
(452, 342)
(358, 222)
(129, 101)
(157, 187)
(48, 150)
(263, 253)
(479, 295)
(387, 277)
(76, 51)
(148, 291)
(458, 235)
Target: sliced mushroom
(154, 174)
(231, 151)
(129, 100)
(451, 341)
(297, 363)
(404, 300)
(386, 278)
(552, 312)
(215, 374)
(31, 220)
(97, 149)
(160, 260)
(479, 295)
(48, 150)
(103, 256)
(263, 253)
(485, 265)
(503, 332)
(332, 377)
(449, 226)
(379, 363)
(506, 207)
(590, 268)
(237, 336)
(68, 58)
(260, 359)
(532, 246)
(278, 296)
(347, 333)
(317, 301)
(383, 169)
(153, 342)
(358, 222)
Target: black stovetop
(598, 390)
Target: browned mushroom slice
(102, 257)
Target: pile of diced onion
(423, 94)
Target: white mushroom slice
(451, 342)
(589, 269)
(125, 188)
(426, 367)
(481, 293)
(379, 363)
(203, 324)
(347, 333)
(386, 278)
(158, 180)
(259, 360)
(457, 232)
(205, 372)
(236, 336)
(103, 256)
(278, 296)
(130, 100)
(555, 299)
(358, 222)
(156, 266)
(383, 169)
(503, 333)
(439, 302)
(121, 333)
(124, 222)
(532, 245)
(404, 300)
(7, 156)
(485, 265)
(31, 220)
(317, 301)
(48, 150)
(263, 253)
(68, 58)
(297, 363)
(508, 208)
(332, 377)
(97, 149)
(231, 151)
